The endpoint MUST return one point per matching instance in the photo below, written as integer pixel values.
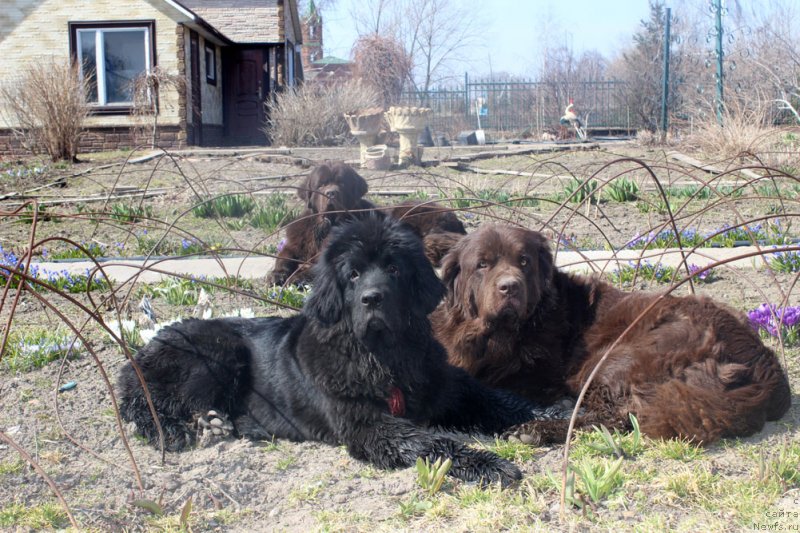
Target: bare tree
(382, 63)
(47, 107)
(438, 36)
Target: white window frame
(102, 97)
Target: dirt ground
(238, 485)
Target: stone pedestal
(408, 122)
(365, 126)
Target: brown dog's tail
(712, 400)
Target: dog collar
(397, 402)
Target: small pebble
(216, 431)
(216, 422)
(513, 438)
(527, 439)
(212, 413)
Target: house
(231, 55)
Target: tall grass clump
(46, 106)
(744, 130)
(313, 115)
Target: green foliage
(785, 261)
(128, 213)
(290, 295)
(578, 191)
(431, 476)
(42, 214)
(414, 507)
(678, 449)
(513, 451)
(177, 291)
(229, 205)
(622, 190)
(781, 465)
(598, 479)
(33, 348)
(272, 214)
(619, 444)
(36, 517)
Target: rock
(527, 439)
(216, 423)
(514, 439)
(216, 431)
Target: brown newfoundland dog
(689, 367)
(333, 193)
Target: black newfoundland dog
(358, 366)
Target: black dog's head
(375, 279)
(331, 188)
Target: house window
(112, 56)
(211, 64)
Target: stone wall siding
(42, 31)
(104, 139)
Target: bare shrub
(745, 130)
(146, 90)
(47, 107)
(382, 63)
(313, 114)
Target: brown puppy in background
(334, 193)
(689, 368)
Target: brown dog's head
(332, 187)
(498, 274)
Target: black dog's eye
(393, 270)
(524, 260)
(354, 275)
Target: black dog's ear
(427, 288)
(326, 301)
(312, 183)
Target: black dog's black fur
(331, 373)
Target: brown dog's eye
(482, 264)
(523, 261)
(354, 275)
(393, 270)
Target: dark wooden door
(246, 88)
(196, 137)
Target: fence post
(665, 89)
(466, 95)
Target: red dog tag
(397, 402)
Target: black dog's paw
(484, 468)
(213, 425)
(539, 432)
(560, 410)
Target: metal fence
(513, 107)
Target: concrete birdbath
(408, 122)
(365, 125)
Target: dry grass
(313, 115)
(47, 104)
(744, 131)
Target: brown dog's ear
(355, 186)
(545, 257)
(309, 187)
(451, 267)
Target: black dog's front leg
(397, 443)
(467, 404)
